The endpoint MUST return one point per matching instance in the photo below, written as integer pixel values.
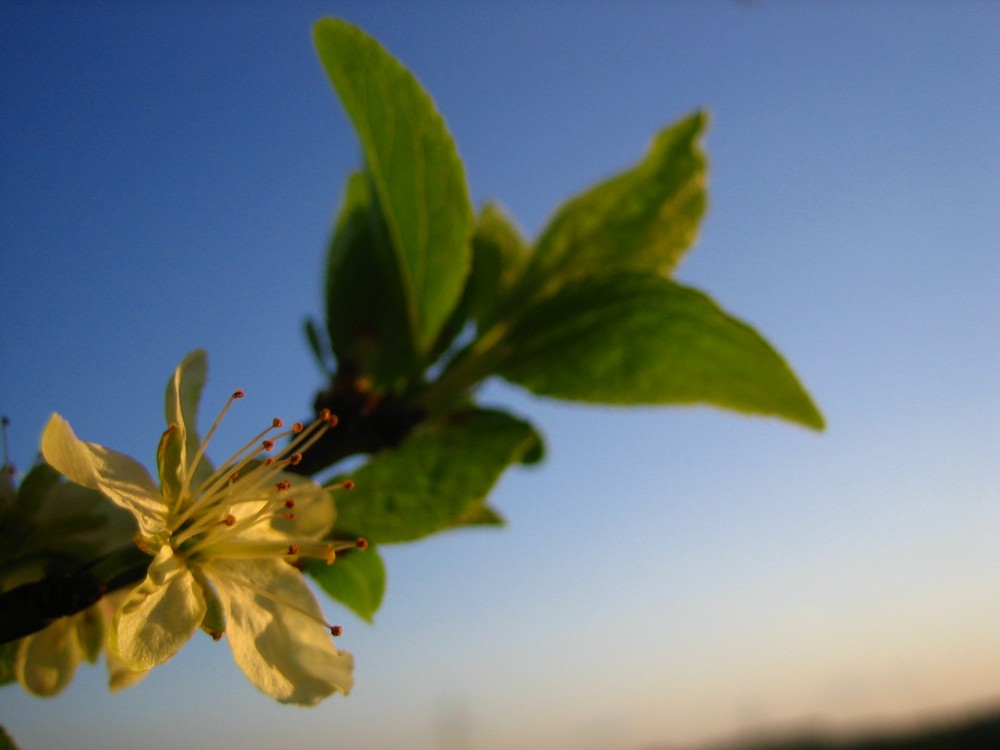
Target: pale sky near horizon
(169, 173)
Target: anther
(293, 549)
(238, 393)
(348, 484)
(295, 459)
(289, 516)
(268, 445)
(297, 428)
(216, 635)
(229, 520)
(325, 415)
(290, 503)
(268, 461)
(333, 421)
(361, 543)
(276, 423)
(336, 631)
(283, 485)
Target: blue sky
(169, 176)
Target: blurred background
(169, 175)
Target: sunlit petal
(159, 615)
(121, 478)
(46, 660)
(276, 632)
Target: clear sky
(169, 174)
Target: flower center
(238, 510)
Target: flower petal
(181, 408)
(121, 478)
(46, 660)
(90, 628)
(285, 652)
(119, 675)
(314, 509)
(159, 615)
(184, 391)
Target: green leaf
(415, 169)
(440, 473)
(6, 743)
(481, 515)
(498, 253)
(642, 219)
(356, 579)
(36, 488)
(317, 346)
(633, 338)
(364, 293)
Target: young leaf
(6, 743)
(317, 346)
(417, 175)
(498, 253)
(642, 219)
(437, 476)
(633, 338)
(364, 293)
(356, 580)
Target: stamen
(211, 515)
(236, 462)
(193, 464)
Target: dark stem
(34, 606)
(367, 423)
